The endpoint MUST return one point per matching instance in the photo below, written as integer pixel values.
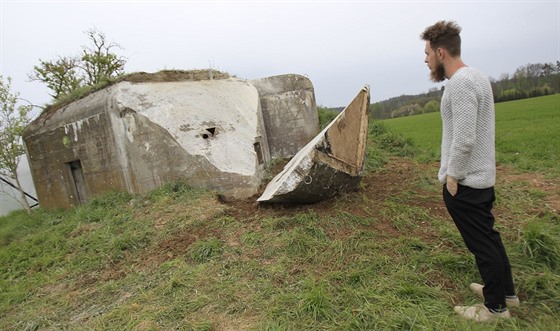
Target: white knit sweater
(467, 146)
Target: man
(467, 170)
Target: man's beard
(438, 75)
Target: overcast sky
(339, 45)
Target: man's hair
(444, 34)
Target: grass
(537, 118)
(527, 133)
(382, 258)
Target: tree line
(531, 80)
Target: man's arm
(464, 106)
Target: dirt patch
(534, 181)
(375, 189)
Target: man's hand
(452, 186)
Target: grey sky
(339, 45)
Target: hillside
(385, 257)
(528, 81)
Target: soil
(538, 182)
(173, 76)
(392, 180)
(376, 188)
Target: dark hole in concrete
(212, 131)
(258, 150)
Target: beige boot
(480, 313)
(477, 289)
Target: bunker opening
(209, 133)
(78, 184)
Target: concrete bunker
(210, 130)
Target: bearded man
(468, 168)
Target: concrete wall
(80, 131)
(289, 112)
(209, 132)
(135, 137)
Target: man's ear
(440, 53)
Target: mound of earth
(173, 76)
(139, 77)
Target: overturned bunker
(329, 164)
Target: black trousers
(471, 210)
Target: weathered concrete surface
(55, 140)
(330, 164)
(289, 112)
(134, 137)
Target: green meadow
(527, 133)
(383, 257)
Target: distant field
(527, 133)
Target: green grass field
(527, 133)
(385, 257)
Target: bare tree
(13, 119)
(95, 65)
(98, 62)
